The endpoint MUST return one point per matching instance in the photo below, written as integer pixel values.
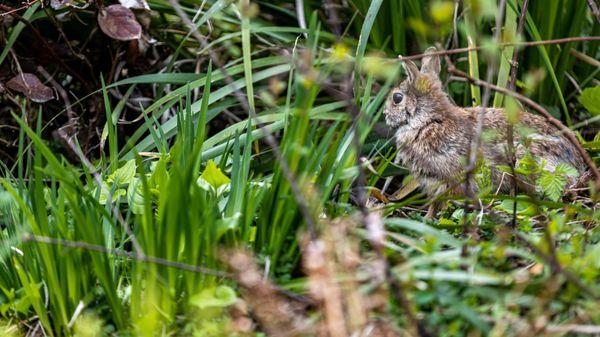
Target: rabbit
(433, 136)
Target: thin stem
(512, 159)
(527, 101)
(269, 138)
(476, 140)
(123, 253)
(502, 45)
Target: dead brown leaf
(119, 23)
(31, 86)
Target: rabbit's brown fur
(433, 135)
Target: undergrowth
(209, 186)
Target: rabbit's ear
(431, 63)
(411, 69)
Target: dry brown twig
(526, 44)
(527, 101)
(321, 269)
(122, 253)
(9, 11)
(276, 315)
(332, 264)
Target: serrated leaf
(214, 176)
(552, 184)
(527, 165)
(566, 169)
(590, 99)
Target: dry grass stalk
(333, 264)
(276, 315)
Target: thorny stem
(151, 259)
(333, 18)
(372, 221)
(137, 247)
(9, 11)
(509, 127)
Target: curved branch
(528, 101)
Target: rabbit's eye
(397, 97)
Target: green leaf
(552, 184)
(104, 193)
(219, 297)
(135, 191)
(125, 174)
(523, 207)
(16, 31)
(228, 223)
(214, 176)
(590, 99)
(527, 165)
(566, 169)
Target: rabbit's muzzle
(394, 118)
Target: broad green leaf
(219, 297)
(214, 176)
(227, 223)
(590, 99)
(552, 184)
(104, 195)
(523, 207)
(125, 174)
